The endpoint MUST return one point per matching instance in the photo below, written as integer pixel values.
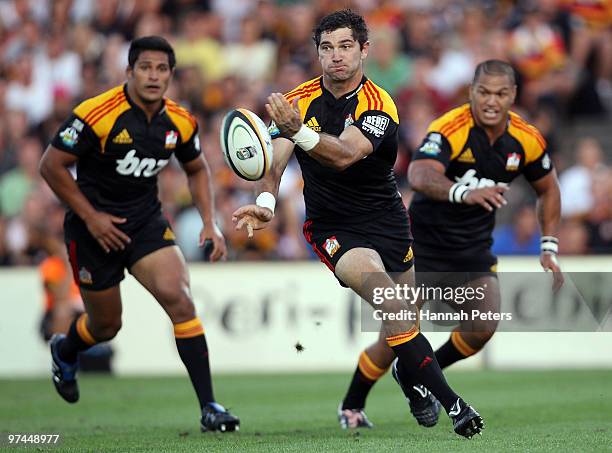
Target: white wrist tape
(306, 138)
(458, 192)
(266, 200)
(549, 244)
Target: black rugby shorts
(389, 235)
(96, 270)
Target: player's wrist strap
(266, 200)
(458, 192)
(306, 138)
(549, 244)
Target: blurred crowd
(55, 53)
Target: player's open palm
(252, 217)
(102, 227)
(487, 197)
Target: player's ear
(364, 50)
(129, 71)
(513, 93)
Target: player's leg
(100, 322)
(374, 361)
(363, 271)
(163, 273)
(472, 335)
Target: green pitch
(524, 411)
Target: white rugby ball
(246, 144)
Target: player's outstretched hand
(102, 227)
(487, 197)
(252, 217)
(213, 234)
(550, 262)
(286, 116)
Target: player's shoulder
(182, 118)
(527, 135)
(373, 97)
(452, 121)
(308, 89)
(108, 104)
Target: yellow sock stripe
(189, 329)
(83, 331)
(402, 338)
(369, 369)
(461, 345)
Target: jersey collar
(347, 96)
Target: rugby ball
(246, 144)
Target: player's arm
(336, 152)
(257, 216)
(200, 187)
(427, 174)
(53, 168)
(548, 210)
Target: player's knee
(107, 330)
(179, 304)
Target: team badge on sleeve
(69, 136)
(433, 145)
(546, 162)
(375, 125)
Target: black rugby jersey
(120, 152)
(464, 149)
(367, 188)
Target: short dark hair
(150, 43)
(345, 18)
(495, 67)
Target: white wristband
(266, 200)
(458, 192)
(306, 138)
(549, 244)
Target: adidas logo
(169, 235)
(467, 157)
(313, 124)
(123, 138)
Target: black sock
(194, 354)
(366, 375)
(358, 391)
(416, 358)
(447, 354)
(70, 347)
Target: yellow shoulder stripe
(455, 125)
(92, 108)
(182, 119)
(103, 125)
(373, 97)
(528, 136)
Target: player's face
(340, 54)
(491, 97)
(150, 75)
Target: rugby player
(460, 173)
(344, 132)
(119, 141)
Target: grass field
(524, 411)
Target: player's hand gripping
(286, 116)
(550, 262)
(252, 217)
(213, 233)
(487, 197)
(102, 227)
